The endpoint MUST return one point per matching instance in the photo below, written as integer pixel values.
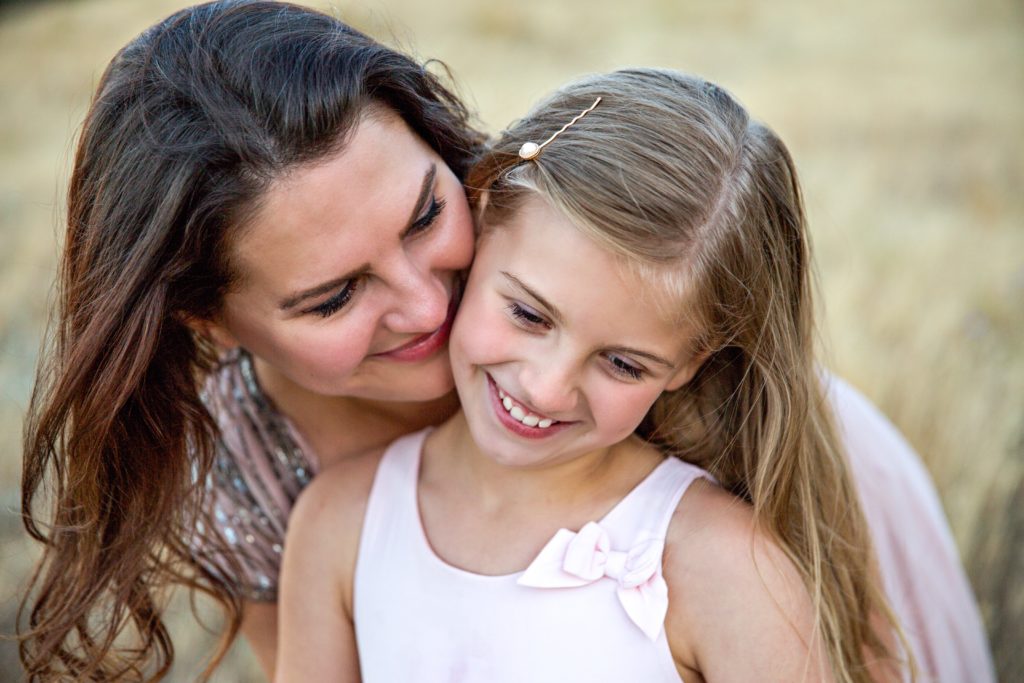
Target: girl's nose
(550, 387)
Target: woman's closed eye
(428, 218)
(336, 302)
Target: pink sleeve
(920, 565)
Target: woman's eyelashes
(624, 368)
(428, 218)
(336, 302)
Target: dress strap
(391, 508)
(647, 510)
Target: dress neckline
(435, 558)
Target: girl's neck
(452, 453)
(491, 519)
(336, 427)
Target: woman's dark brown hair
(190, 124)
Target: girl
(254, 176)
(636, 327)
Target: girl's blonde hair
(670, 172)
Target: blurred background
(905, 118)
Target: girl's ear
(685, 373)
(214, 331)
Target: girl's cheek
(482, 333)
(620, 409)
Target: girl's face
(558, 350)
(350, 269)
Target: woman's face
(349, 269)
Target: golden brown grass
(906, 119)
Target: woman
(254, 176)
(260, 177)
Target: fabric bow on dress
(570, 560)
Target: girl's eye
(527, 316)
(428, 218)
(336, 302)
(625, 368)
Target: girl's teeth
(521, 415)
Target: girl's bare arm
(316, 636)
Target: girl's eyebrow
(519, 284)
(557, 315)
(297, 298)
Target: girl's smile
(520, 418)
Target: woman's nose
(420, 300)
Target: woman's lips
(426, 345)
(515, 426)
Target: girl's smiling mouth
(519, 418)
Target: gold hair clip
(530, 150)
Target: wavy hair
(189, 124)
(670, 172)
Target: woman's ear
(211, 330)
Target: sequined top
(262, 464)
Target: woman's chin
(409, 384)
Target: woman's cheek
(326, 355)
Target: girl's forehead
(662, 287)
(538, 250)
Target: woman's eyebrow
(295, 299)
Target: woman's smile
(425, 345)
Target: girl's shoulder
(337, 496)
(730, 583)
(711, 531)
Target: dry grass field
(906, 119)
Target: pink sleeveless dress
(590, 607)
(263, 464)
